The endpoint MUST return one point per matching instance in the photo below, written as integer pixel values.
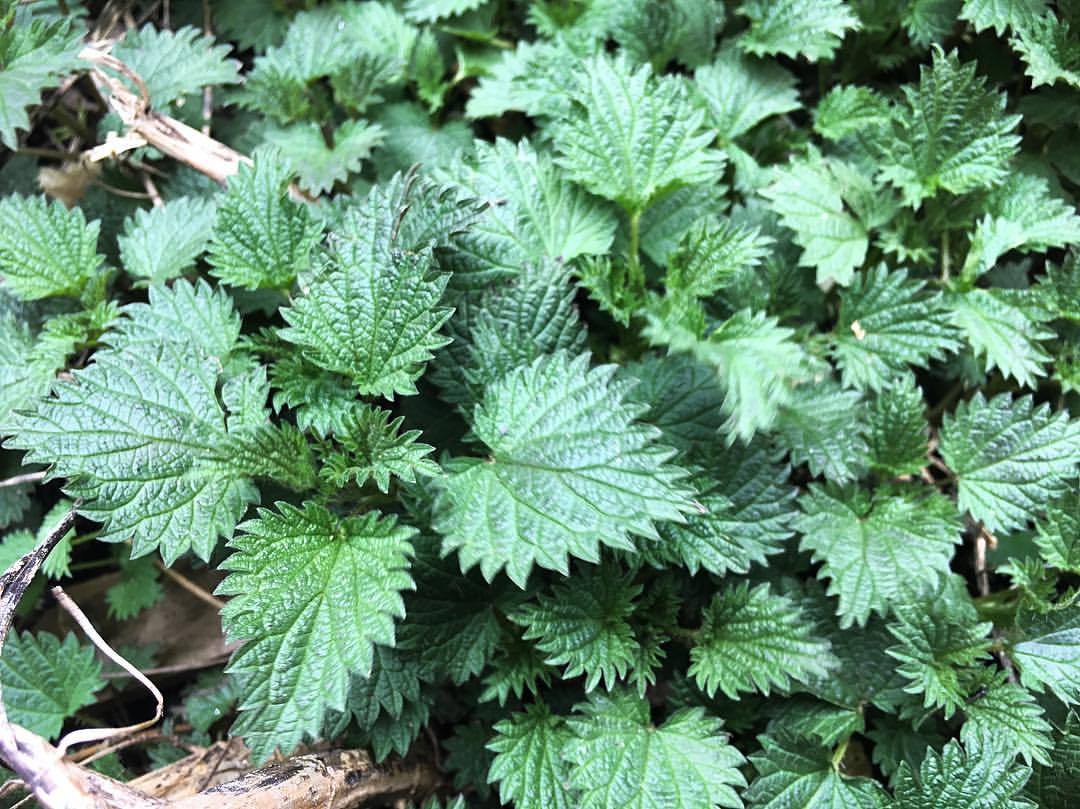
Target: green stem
(637, 274)
(84, 538)
(838, 754)
(93, 564)
(686, 636)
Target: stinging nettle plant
(605, 402)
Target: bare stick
(99, 734)
(983, 539)
(151, 190)
(190, 586)
(167, 134)
(208, 90)
(102, 749)
(19, 480)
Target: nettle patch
(660, 404)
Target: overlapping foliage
(665, 403)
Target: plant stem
(18, 480)
(637, 274)
(945, 256)
(838, 753)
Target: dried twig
(151, 190)
(85, 735)
(190, 586)
(208, 90)
(983, 540)
(19, 480)
(170, 136)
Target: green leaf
(756, 360)
(849, 109)
(1021, 214)
(809, 201)
(619, 759)
(886, 324)
(657, 31)
(193, 316)
(1047, 650)
(45, 248)
(277, 451)
(323, 42)
(1009, 713)
(755, 640)
(534, 213)
(809, 718)
(1005, 329)
(528, 764)
(454, 621)
(937, 640)
(897, 434)
(680, 396)
(711, 255)
(35, 53)
(392, 683)
(375, 449)
(792, 773)
(568, 470)
(213, 696)
(14, 546)
(137, 590)
(741, 91)
(1001, 14)
(1010, 458)
(980, 775)
(261, 237)
(312, 594)
(432, 10)
(632, 138)
(822, 427)
(1053, 786)
(319, 398)
(873, 549)
(371, 309)
(584, 625)
(512, 325)
(175, 63)
(28, 364)
(669, 220)
(525, 79)
(796, 27)
(45, 680)
(1058, 537)
(1048, 49)
(930, 21)
(517, 666)
(949, 133)
(139, 432)
(745, 514)
(396, 734)
(318, 164)
(469, 759)
(164, 242)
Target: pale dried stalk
(87, 735)
(19, 480)
(168, 135)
